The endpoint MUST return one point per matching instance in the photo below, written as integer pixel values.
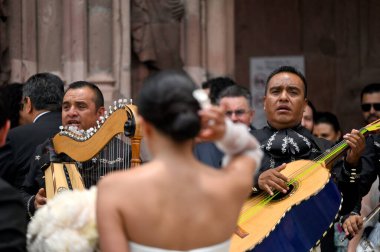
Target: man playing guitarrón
(284, 140)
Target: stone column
(22, 39)
(193, 38)
(122, 48)
(49, 36)
(100, 37)
(220, 36)
(74, 40)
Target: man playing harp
(83, 105)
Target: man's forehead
(372, 97)
(285, 78)
(79, 94)
(237, 100)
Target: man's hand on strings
(40, 198)
(272, 179)
(352, 225)
(356, 141)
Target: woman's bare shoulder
(125, 178)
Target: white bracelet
(238, 140)
(28, 207)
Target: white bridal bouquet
(66, 223)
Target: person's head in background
(83, 104)
(308, 116)
(237, 102)
(285, 97)
(41, 92)
(326, 125)
(370, 102)
(168, 110)
(12, 97)
(4, 122)
(216, 85)
(206, 87)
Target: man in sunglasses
(370, 102)
(236, 100)
(370, 105)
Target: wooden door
(340, 41)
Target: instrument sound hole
(280, 196)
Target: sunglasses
(238, 112)
(367, 106)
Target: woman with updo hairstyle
(174, 202)
(166, 101)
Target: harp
(112, 145)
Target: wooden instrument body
(82, 151)
(66, 176)
(293, 223)
(61, 177)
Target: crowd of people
(206, 160)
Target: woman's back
(174, 202)
(178, 207)
(221, 247)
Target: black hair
(329, 118)
(287, 69)
(45, 91)
(217, 85)
(313, 109)
(236, 91)
(206, 85)
(166, 101)
(99, 99)
(369, 89)
(12, 96)
(3, 112)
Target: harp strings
(115, 156)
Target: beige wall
(91, 40)
(76, 39)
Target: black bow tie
(286, 143)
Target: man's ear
(264, 102)
(339, 135)
(4, 131)
(28, 105)
(305, 105)
(145, 126)
(100, 111)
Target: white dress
(220, 247)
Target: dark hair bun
(167, 102)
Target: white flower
(66, 223)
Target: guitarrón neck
(332, 154)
